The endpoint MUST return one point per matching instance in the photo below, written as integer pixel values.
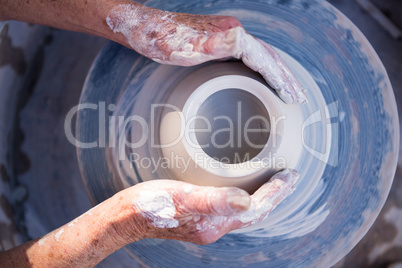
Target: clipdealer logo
(117, 125)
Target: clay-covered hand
(186, 40)
(156, 209)
(181, 211)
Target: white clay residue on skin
(158, 207)
(58, 234)
(196, 218)
(302, 223)
(127, 19)
(122, 19)
(184, 54)
(42, 241)
(210, 223)
(237, 43)
(177, 38)
(281, 185)
(263, 58)
(256, 210)
(72, 223)
(188, 189)
(263, 202)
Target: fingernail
(238, 200)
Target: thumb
(224, 201)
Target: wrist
(144, 29)
(124, 223)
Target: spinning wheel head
(344, 141)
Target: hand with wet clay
(156, 209)
(165, 37)
(162, 209)
(186, 40)
(181, 211)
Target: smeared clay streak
(73, 222)
(280, 187)
(158, 207)
(42, 241)
(188, 189)
(284, 182)
(58, 234)
(235, 42)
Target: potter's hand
(181, 211)
(185, 39)
(166, 37)
(155, 209)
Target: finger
(264, 59)
(268, 196)
(292, 87)
(225, 201)
(278, 188)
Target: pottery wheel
(344, 141)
